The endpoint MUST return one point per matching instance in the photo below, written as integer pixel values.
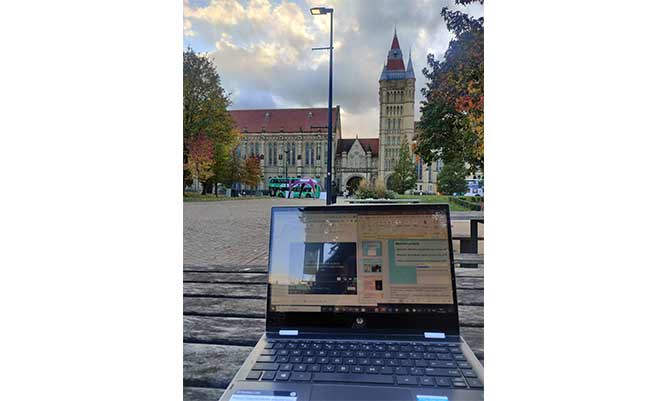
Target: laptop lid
(362, 268)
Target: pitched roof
(367, 144)
(395, 41)
(284, 120)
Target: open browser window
(360, 261)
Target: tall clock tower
(396, 95)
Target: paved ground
(230, 232)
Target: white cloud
(263, 51)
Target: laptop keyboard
(389, 363)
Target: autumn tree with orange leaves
(200, 159)
(252, 172)
(452, 124)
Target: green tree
(452, 122)
(223, 153)
(452, 178)
(404, 176)
(233, 170)
(205, 105)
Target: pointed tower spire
(395, 40)
(409, 69)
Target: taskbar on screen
(384, 308)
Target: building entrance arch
(353, 183)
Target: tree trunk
(215, 188)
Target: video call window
(326, 268)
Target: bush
(377, 191)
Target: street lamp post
(287, 181)
(330, 11)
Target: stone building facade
(296, 139)
(288, 141)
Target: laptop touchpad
(358, 393)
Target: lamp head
(321, 10)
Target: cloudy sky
(262, 49)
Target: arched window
(275, 153)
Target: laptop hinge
(433, 334)
(288, 332)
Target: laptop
(361, 305)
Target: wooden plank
(222, 330)
(227, 268)
(229, 307)
(470, 282)
(469, 258)
(206, 365)
(202, 394)
(471, 316)
(470, 297)
(468, 272)
(206, 277)
(225, 290)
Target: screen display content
(357, 261)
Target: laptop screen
(361, 260)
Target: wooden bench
(223, 317)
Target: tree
(200, 158)
(223, 153)
(404, 176)
(252, 171)
(205, 107)
(232, 170)
(452, 123)
(452, 178)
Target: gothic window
(269, 154)
(275, 153)
(293, 154)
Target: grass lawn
(438, 199)
(197, 197)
